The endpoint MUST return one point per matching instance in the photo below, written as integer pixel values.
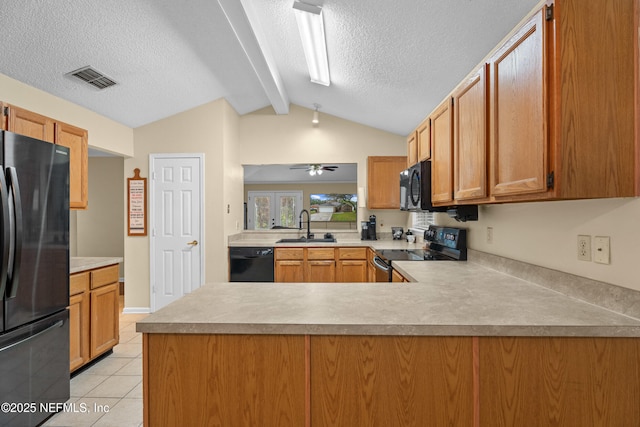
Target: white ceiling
(391, 62)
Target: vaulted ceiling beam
(248, 31)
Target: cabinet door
(104, 319)
(352, 271)
(412, 149)
(383, 181)
(424, 141)
(470, 138)
(28, 123)
(321, 271)
(391, 381)
(78, 330)
(397, 277)
(519, 117)
(442, 154)
(289, 271)
(76, 140)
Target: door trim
(152, 263)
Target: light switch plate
(601, 250)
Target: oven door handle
(379, 263)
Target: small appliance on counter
(397, 232)
(442, 244)
(368, 231)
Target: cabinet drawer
(289, 253)
(321, 253)
(78, 283)
(352, 253)
(104, 276)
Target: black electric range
(441, 244)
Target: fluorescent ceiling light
(311, 27)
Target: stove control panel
(448, 237)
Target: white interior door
(177, 246)
(266, 209)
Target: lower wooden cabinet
(224, 380)
(78, 330)
(104, 319)
(94, 314)
(351, 265)
(326, 264)
(421, 381)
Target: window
(422, 220)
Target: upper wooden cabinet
(551, 114)
(563, 105)
(383, 181)
(412, 149)
(76, 140)
(442, 153)
(24, 122)
(423, 136)
(28, 123)
(470, 139)
(519, 124)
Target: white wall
(206, 129)
(101, 229)
(267, 138)
(545, 234)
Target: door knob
(194, 243)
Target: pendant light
(316, 116)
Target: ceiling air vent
(92, 77)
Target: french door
(268, 209)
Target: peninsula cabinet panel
(24, 122)
(383, 181)
(224, 380)
(568, 382)
(470, 139)
(519, 125)
(391, 381)
(442, 153)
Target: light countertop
(448, 298)
(79, 264)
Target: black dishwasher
(250, 264)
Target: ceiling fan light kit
(311, 27)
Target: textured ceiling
(391, 62)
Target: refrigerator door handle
(14, 267)
(4, 237)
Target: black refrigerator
(34, 279)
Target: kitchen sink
(305, 240)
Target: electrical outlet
(602, 250)
(490, 235)
(584, 248)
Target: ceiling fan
(314, 169)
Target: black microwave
(415, 188)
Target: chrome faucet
(308, 222)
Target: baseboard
(136, 310)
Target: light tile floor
(110, 392)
